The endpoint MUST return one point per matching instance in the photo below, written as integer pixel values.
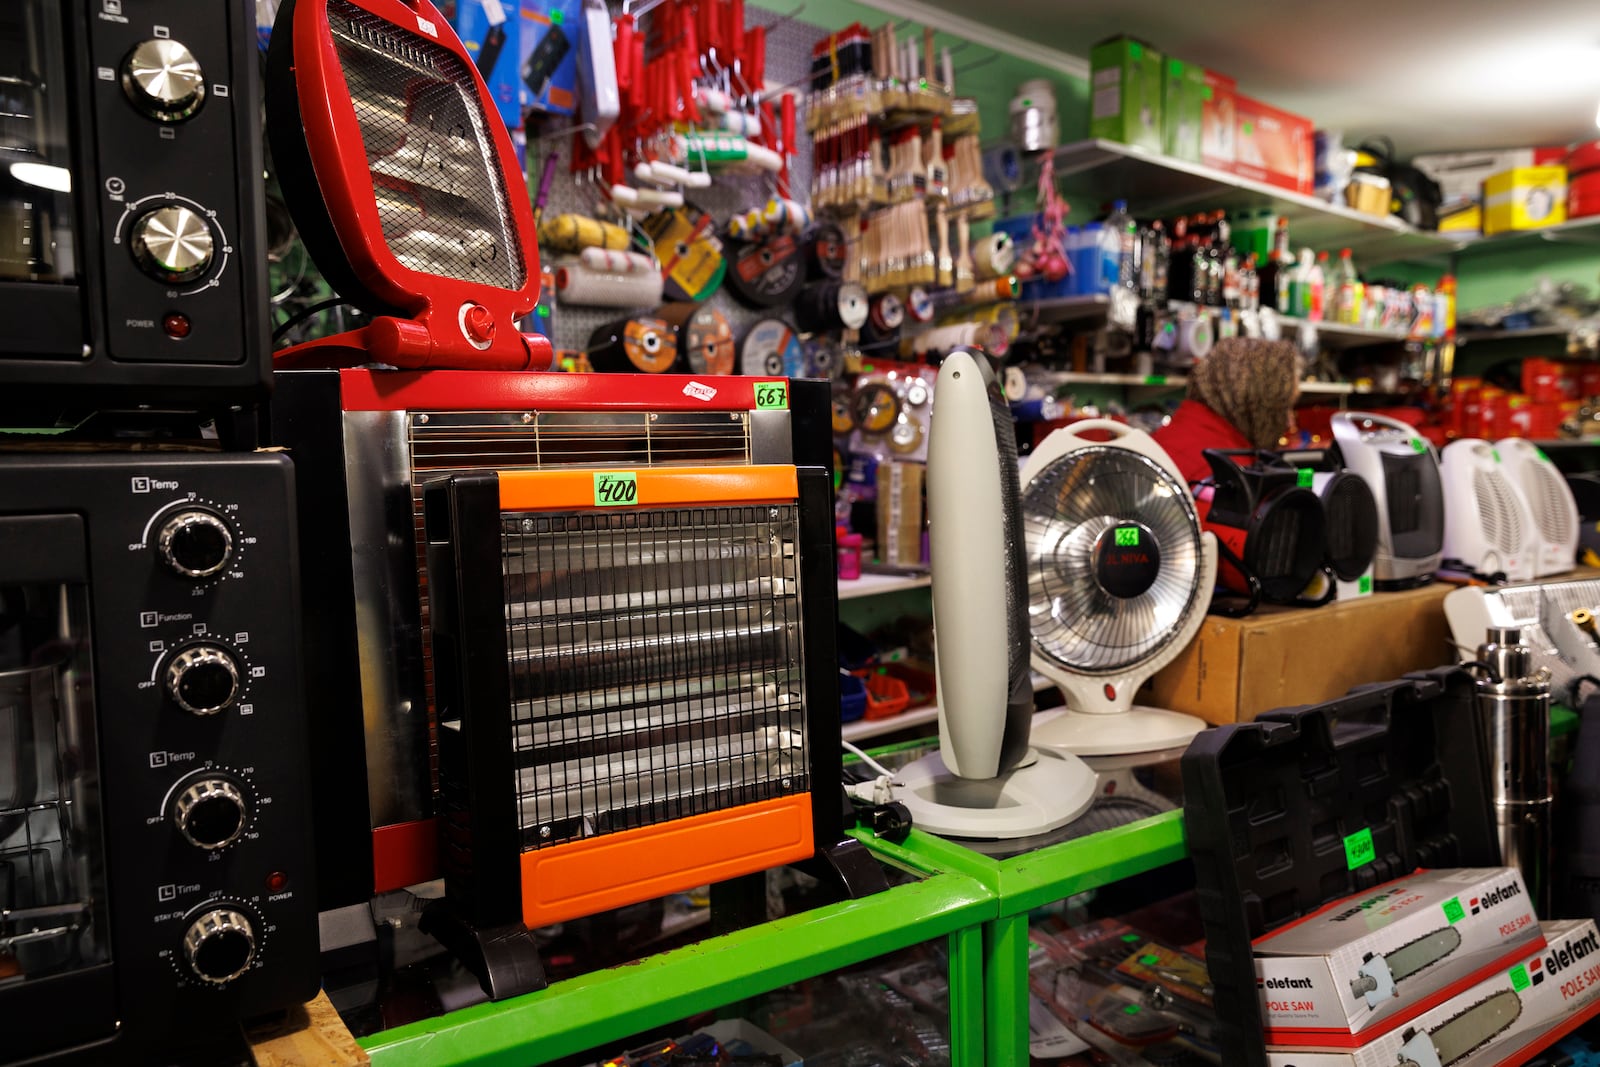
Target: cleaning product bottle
(1119, 236)
(1300, 285)
(1444, 308)
(1345, 309)
(1275, 272)
(1319, 287)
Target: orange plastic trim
(566, 489)
(585, 877)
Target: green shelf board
(1033, 879)
(605, 1006)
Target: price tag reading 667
(771, 395)
(613, 488)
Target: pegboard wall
(789, 44)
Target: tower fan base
(1135, 732)
(1044, 794)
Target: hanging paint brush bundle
(905, 179)
(898, 253)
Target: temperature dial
(210, 814)
(195, 543)
(164, 80)
(220, 945)
(172, 243)
(203, 679)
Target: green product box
(1183, 97)
(1125, 93)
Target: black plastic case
(1268, 806)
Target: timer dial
(220, 945)
(172, 243)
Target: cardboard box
(1274, 146)
(1362, 966)
(1525, 198)
(492, 33)
(1183, 99)
(1125, 93)
(547, 62)
(1461, 174)
(1522, 1009)
(1219, 121)
(1279, 657)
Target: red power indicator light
(177, 325)
(277, 882)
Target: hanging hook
(975, 64)
(784, 19)
(543, 137)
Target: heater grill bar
(655, 664)
(441, 198)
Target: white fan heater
(985, 781)
(1549, 500)
(1403, 473)
(1119, 578)
(1488, 530)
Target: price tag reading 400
(613, 488)
(771, 395)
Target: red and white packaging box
(1219, 121)
(1503, 1020)
(1362, 966)
(1273, 146)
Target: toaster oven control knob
(210, 813)
(172, 243)
(195, 544)
(203, 679)
(164, 80)
(220, 945)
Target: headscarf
(1251, 383)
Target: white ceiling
(1466, 74)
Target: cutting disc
(830, 306)
(876, 407)
(772, 348)
(649, 345)
(765, 273)
(692, 265)
(825, 251)
(705, 337)
(824, 358)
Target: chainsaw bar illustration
(1464, 1033)
(1379, 976)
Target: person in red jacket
(1240, 396)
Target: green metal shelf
(613, 1004)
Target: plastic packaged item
(1034, 124)
(1086, 265)
(849, 551)
(1300, 285)
(1346, 298)
(852, 696)
(1125, 93)
(1317, 288)
(1344, 796)
(1116, 249)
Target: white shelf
(1333, 389)
(865, 728)
(1466, 335)
(1097, 172)
(871, 584)
(1343, 335)
(1149, 381)
(1584, 231)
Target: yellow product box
(1525, 198)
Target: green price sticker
(1454, 911)
(1358, 849)
(1495, 452)
(1540, 453)
(772, 396)
(557, 17)
(1364, 584)
(1155, 379)
(1175, 67)
(1127, 537)
(614, 488)
(1303, 476)
(1130, 938)
(1149, 959)
(1248, 128)
(1131, 1009)
(1519, 978)
(1418, 445)
(1135, 51)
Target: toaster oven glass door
(37, 227)
(52, 873)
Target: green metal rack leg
(1006, 991)
(967, 1006)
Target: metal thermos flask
(1514, 715)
